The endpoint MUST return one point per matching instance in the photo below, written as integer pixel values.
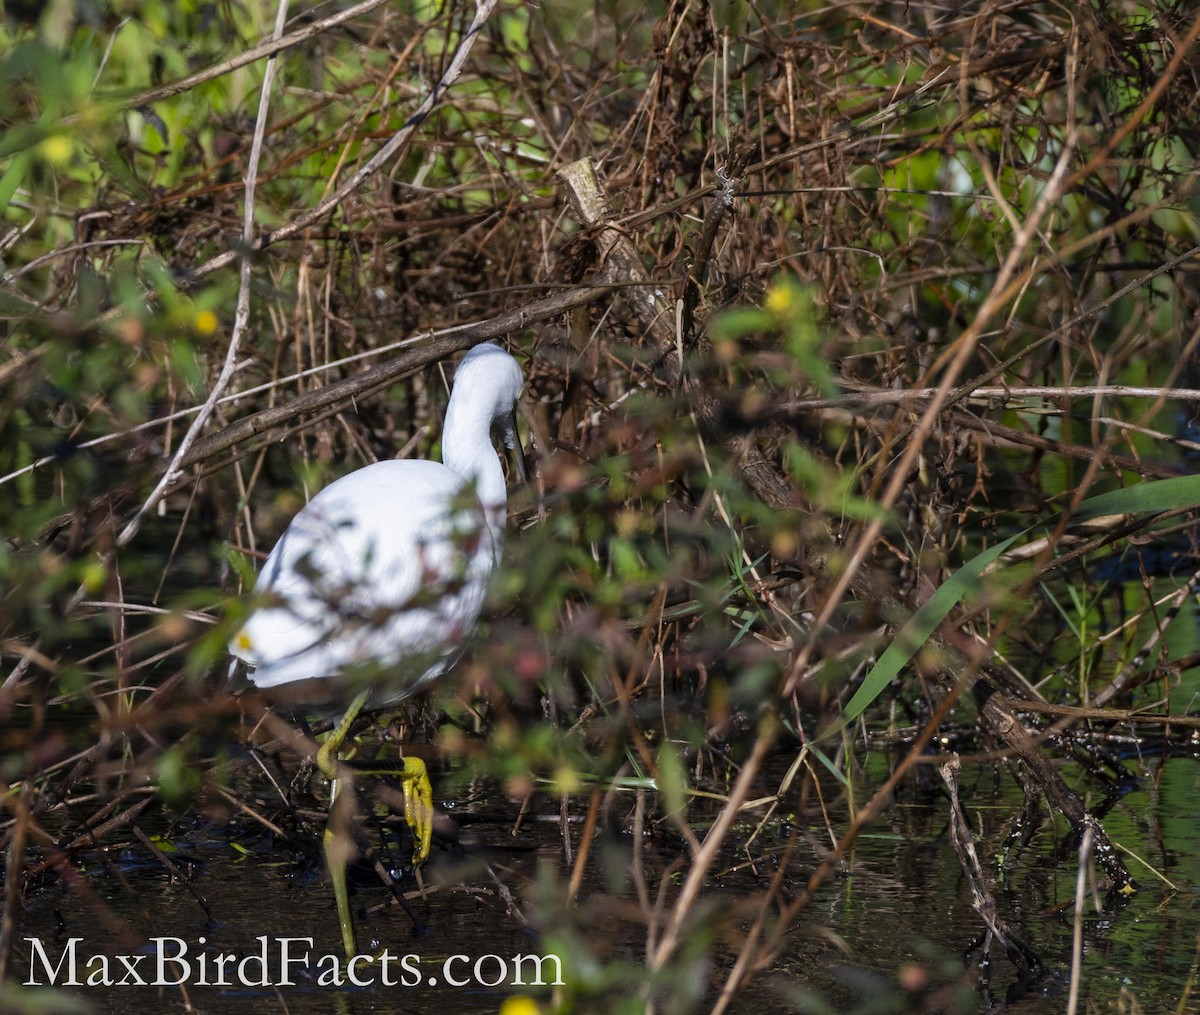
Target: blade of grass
(1156, 495)
(921, 625)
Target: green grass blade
(921, 625)
(12, 177)
(1157, 495)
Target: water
(890, 931)
(258, 893)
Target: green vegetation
(862, 402)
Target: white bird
(383, 574)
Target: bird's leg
(339, 836)
(418, 806)
(327, 755)
(417, 792)
(338, 839)
(339, 849)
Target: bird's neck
(467, 449)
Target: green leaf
(19, 1000)
(738, 323)
(178, 776)
(12, 177)
(921, 625)
(1157, 495)
(672, 779)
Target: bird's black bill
(518, 451)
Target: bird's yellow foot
(339, 840)
(339, 837)
(418, 805)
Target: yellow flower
(205, 322)
(57, 149)
(519, 1004)
(781, 298)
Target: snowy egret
(382, 575)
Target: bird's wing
(388, 561)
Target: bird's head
(492, 373)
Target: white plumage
(390, 563)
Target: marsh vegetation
(844, 652)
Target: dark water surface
(897, 913)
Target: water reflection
(895, 922)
